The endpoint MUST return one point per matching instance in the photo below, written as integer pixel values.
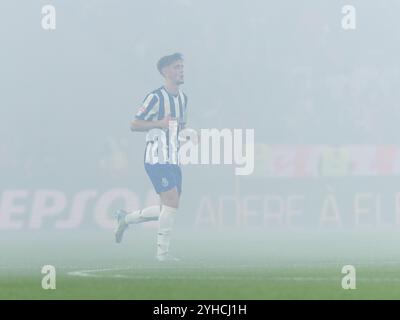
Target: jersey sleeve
(149, 109)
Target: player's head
(171, 68)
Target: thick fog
(322, 99)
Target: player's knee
(170, 199)
(173, 204)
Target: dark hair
(167, 60)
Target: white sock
(143, 215)
(167, 218)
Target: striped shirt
(156, 106)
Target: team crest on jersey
(164, 182)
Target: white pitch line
(89, 273)
(116, 272)
(253, 266)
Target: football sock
(166, 222)
(147, 214)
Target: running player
(159, 108)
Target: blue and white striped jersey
(157, 105)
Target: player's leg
(167, 198)
(143, 215)
(158, 175)
(124, 219)
(147, 214)
(169, 208)
(170, 197)
(166, 180)
(170, 204)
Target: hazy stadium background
(286, 69)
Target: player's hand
(164, 123)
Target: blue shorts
(164, 177)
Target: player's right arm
(144, 118)
(145, 125)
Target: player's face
(174, 72)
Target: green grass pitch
(219, 265)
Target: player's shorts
(164, 177)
